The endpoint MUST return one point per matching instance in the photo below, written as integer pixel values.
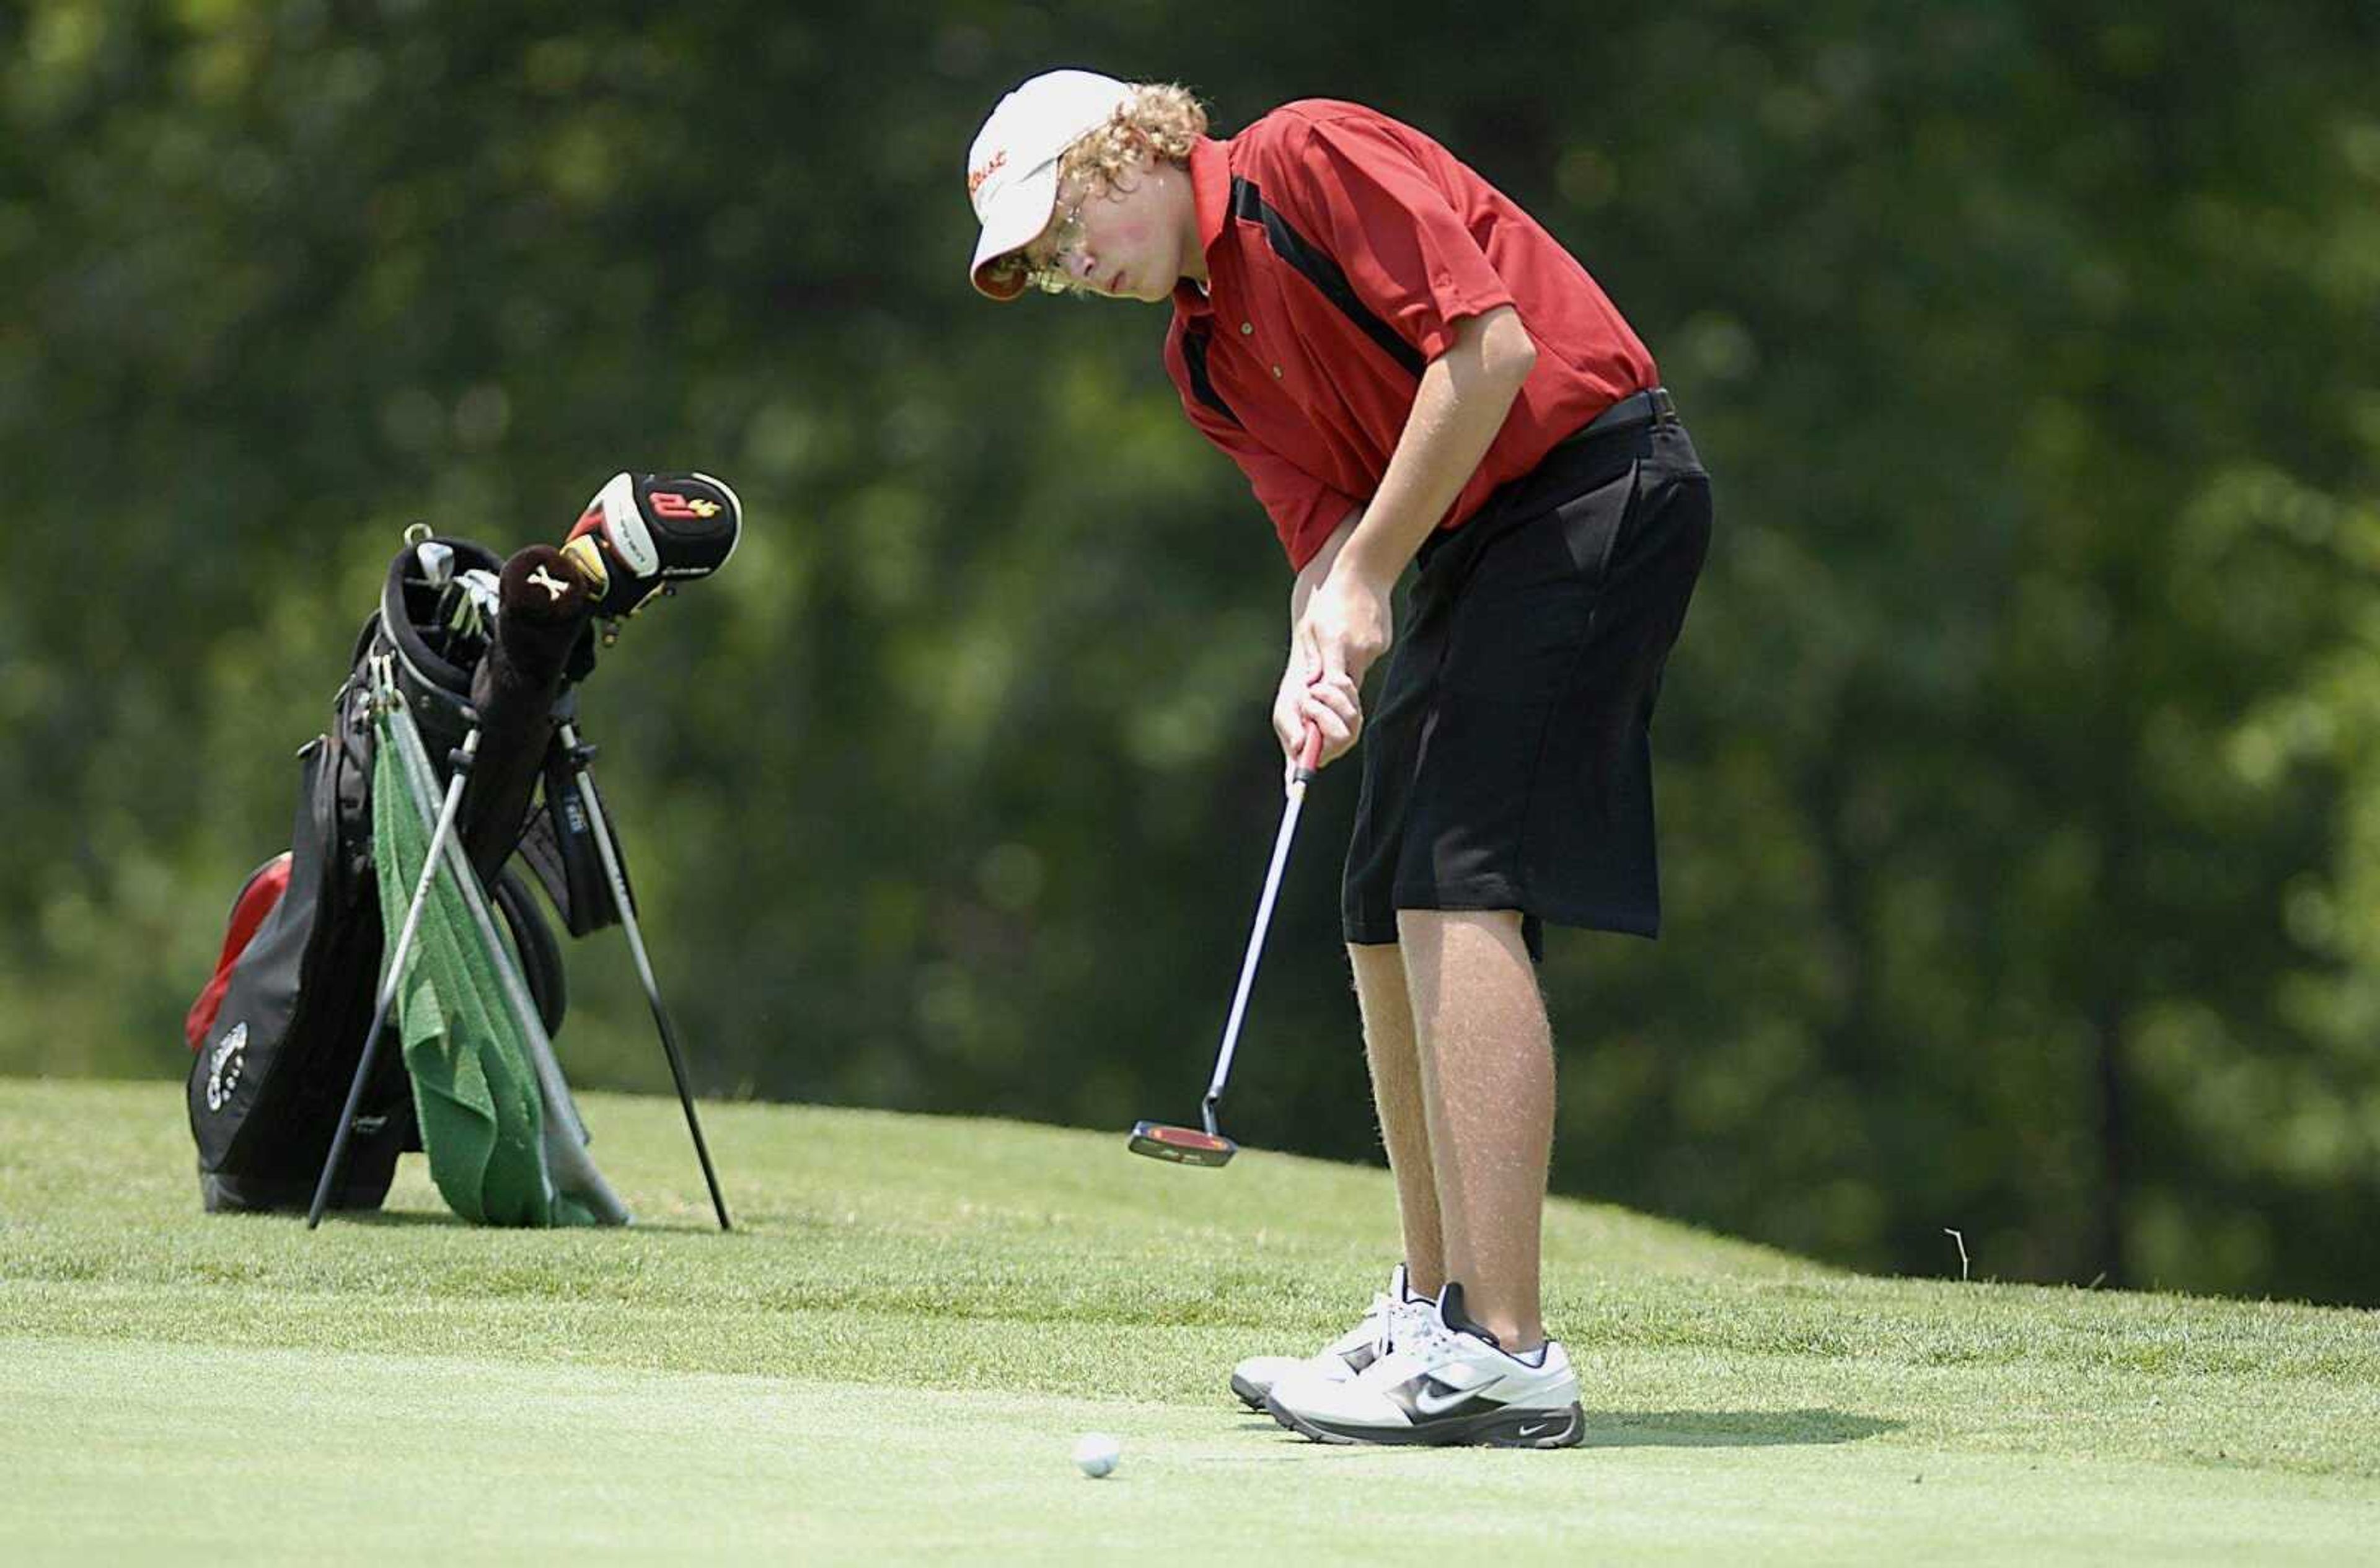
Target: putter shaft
(1308, 763)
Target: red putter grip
(1310, 761)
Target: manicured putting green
(894, 1356)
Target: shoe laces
(1377, 1327)
(1430, 1335)
(1422, 1344)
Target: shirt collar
(1210, 187)
(1210, 191)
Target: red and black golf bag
(280, 1026)
(486, 656)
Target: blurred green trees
(2020, 759)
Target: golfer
(1411, 372)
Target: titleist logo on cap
(991, 166)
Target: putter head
(1182, 1146)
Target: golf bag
(280, 1026)
(471, 665)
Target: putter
(1190, 1145)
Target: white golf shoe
(1344, 1357)
(1445, 1382)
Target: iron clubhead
(1182, 1146)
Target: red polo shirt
(1343, 248)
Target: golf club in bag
(1208, 1146)
(279, 1027)
(462, 700)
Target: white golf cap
(1012, 168)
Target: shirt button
(1247, 327)
(1276, 372)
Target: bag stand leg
(603, 847)
(404, 950)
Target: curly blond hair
(1160, 119)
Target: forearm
(1310, 576)
(1465, 396)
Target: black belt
(1651, 407)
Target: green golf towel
(473, 1087)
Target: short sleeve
(1369, 199)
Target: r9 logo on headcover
(670, 503)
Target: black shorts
(1508, 764)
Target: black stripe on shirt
(1194, 355)
(1318, 269)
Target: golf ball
(1095, 1453)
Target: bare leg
(1396, 1092)
(1487, 1080)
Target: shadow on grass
(1728, 1428)
(388, 1217)
(401, 1218)
(1696, 1429)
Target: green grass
(893, 1356)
